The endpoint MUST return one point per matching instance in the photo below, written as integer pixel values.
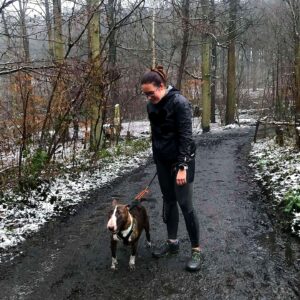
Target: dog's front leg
(132, 256)
(114, 262)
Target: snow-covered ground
(23, 215)
(278, 169)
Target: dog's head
(118, 217)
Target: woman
(174, 155)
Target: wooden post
(256, 130)
(117, 123)
(298, 137)
(279, 136)
(265, 130)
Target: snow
(278, 169)
(20, 216)
(138, 128)
(23, 215)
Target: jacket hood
(171, 91)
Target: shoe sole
(193, 270)
(198, 268)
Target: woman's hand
(181, 177)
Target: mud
(247, 254)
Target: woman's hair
(157, 76)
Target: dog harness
(130, 230)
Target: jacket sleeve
(183, 117)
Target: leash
(145, 191)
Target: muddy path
(247, 255)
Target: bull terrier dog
(126, 223)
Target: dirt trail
(246, 255)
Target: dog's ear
(127, 206)
(114, 202)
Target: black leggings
(173, 193)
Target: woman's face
(153, 93)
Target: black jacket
(171, 126)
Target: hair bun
(160, 68)
(155, 75)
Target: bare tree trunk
(297, 67)
(273, 83)
(205, 67)
(49, 28)
(25, 88)
(25, 40)
(231, 77)
(153, 38)
(6, 31)
(112, 49)
(214, 63)
(185, 40)
(277, 92)
(254, 69)
(294, 6)
(58, 35)
(59, 100)
(96, 97)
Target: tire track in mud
(247, 256)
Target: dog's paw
(131, 267)
(132, 262)
(149, 244)
(114, 264)
(114, 268)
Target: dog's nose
(111, 228)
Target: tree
(294, 8)
(214, 63)
(49, 28)
(25, 86)
(58, 34)
(112, 49)
(185, 40)
(231, 76)
(95, 95)
(205, 67)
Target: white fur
(132, 262)
(126, 231)
(112, 222)
(114, 263)
(116, 238)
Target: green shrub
(37, 162)
(32, 170)
(104, 153)
(292, 200)
(139, 145)
(118, 150)
(262, 163)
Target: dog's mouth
(113, 231)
